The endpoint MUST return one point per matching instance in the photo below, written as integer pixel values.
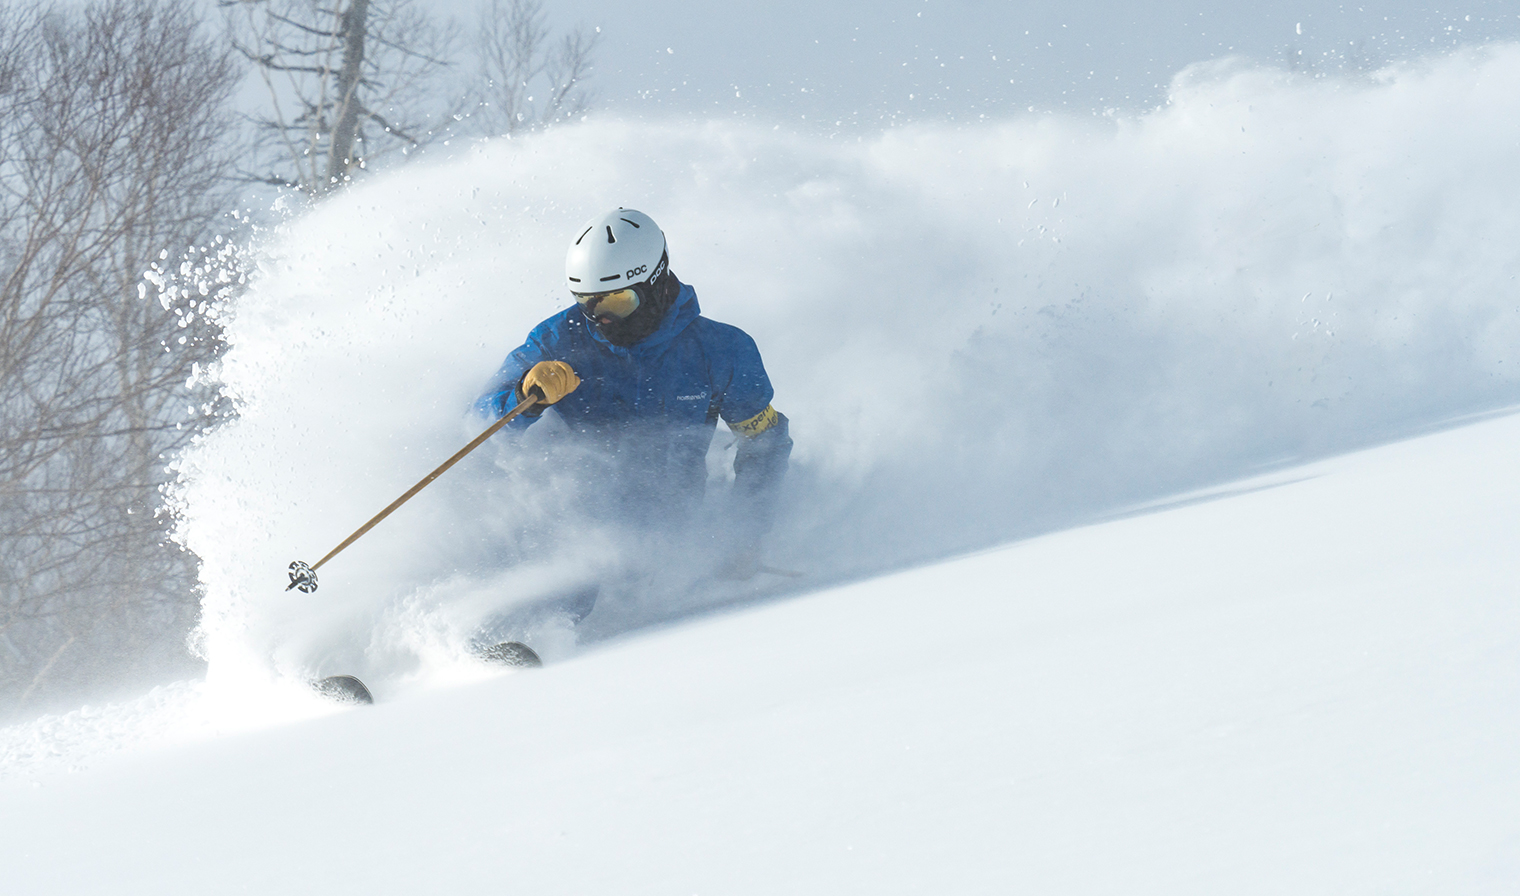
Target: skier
(641, 377)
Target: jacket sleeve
(501, 395)
(759, 466)
(765, 442)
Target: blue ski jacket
(651, 409)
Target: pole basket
(302, 577)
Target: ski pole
(304, 578)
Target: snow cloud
(979, 332)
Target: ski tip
(777, 571)
(512, 653)
(343, 689)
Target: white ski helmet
(614, 251)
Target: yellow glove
(549, 381)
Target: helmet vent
(626, 221)
(610, 237)
(583, 235)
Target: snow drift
(979, 332)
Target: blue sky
(873, 63)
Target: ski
(343, 689)
(512, 653)
(348, 689)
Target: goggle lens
(617, 304)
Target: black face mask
(654, 301)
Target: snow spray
(979, 332)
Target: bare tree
(527, 81)
(113, 125)
(348, 83)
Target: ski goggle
(617, 304)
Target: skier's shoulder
(567, 325)
(722, 338)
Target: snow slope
(1303, 683)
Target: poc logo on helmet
(636, 271)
